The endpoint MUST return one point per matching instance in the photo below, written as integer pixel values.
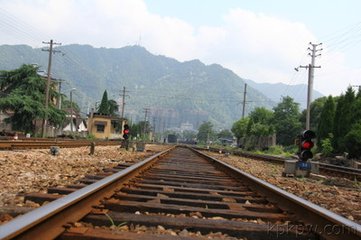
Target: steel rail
(28, 144)
(322, 220)
(352, 173)
(69, 208)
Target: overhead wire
(295, 76)
(342, 36)
(339, 42)
(15, 23)
(27, 33)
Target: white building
(186, 127)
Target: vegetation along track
(185, 194)
(324, 168)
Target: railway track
(176, 194)
(327, 169)
(43, 144)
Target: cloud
(335, 75)
(255, 45)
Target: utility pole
(311, 69)
(154, 127)
(146, 110)
(59, 101)
(71, 109)
(123, 95)
(244, 100)
(51, 51)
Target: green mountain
(175, 92)
(275, 91)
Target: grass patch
(112, 221)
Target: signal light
(126, 131)
(306, 144)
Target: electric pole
(51, 52)
(123, 95)
(311, 69)
(59, 101)
(244, 100)
(146, 110)
(154, 127)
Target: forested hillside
(176, 92)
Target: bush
(90, 137)
(275, 150)
(291, 148)
(326, 146)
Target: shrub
(275, 150)
(326, 145)
(90, 137)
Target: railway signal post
(303, 166)
(126, 132)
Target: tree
(343, 119)
(239, 128)
(325, 123)
(260, 123)
(104, 105)
(358, 92)
(261, 115)
(259, 130)
(205, 132)
(353, 141)
(23, 97)
(286, 121)
(113, 106)
(189, 135)
(315, 113)
(107, 107)
(66, 105)
(353, 137)
(140, 129)
(225, 134)
(356, 108)
(136, 129)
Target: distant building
(79, 125)
(186, 127)
(104, 126)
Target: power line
(13, 23)
(310, 68)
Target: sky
(261, 40)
